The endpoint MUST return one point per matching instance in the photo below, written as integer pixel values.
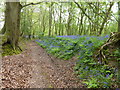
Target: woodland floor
(34, 68)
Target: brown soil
(35, 68)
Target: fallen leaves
(15, 71)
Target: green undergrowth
(8, 50)
(92, 72)
(59, 47)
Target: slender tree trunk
(69, 20)
(81, 24)
(105, 19)
(50, 18)
(43, 21)
(55, 26)
(60, 18)
(119, 47)
(118, 16)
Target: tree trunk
(12, 23)
(118, 16)
(106, 18)
(69, 19)
(60, 19)
(50, 18)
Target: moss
(8, 50)
(3, 39)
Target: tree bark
(69, 19)
(118, 16)
(50, 18)
(105, 19)
(12, 23)
(60, 19)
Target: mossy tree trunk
(11, 27)
(12, 23)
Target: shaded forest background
(68, 18)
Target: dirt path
(34, 68)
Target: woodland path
(34, 68)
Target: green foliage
(116, 53)
(8, 50)
(94, 74)
(61, 48)
(4, 39)
(67, 18)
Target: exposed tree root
(8, 49)
(113, 41)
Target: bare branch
(115, 18)
(31, 4)
(82, 10)
(106, 17)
